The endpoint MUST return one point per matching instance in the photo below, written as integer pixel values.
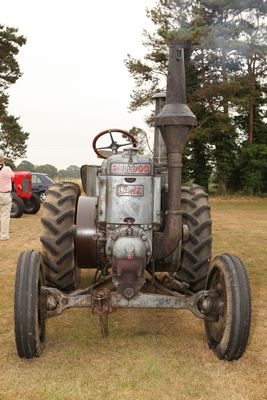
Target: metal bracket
(101, 305)
(104, 302)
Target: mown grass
(149, 354)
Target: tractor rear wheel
(17, 208)
(32, 205)
(228, 335)
(29, 305)
(57, 238)
(196, 248)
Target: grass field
(149, 354)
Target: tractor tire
(228, 335)
(29, 305)
(196, 248)
(57, 238)
(17, 208)
(32, 205)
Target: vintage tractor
(147, 236)
(23, 199)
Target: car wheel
(32, 205)
(17, 208)
(42, 196)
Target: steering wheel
(114, 146)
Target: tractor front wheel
(29, 305)
(228, 335)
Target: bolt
(205, 305)
(144, 237)
(108, 250)
(51, 303)
(128, 292)
(114, 236)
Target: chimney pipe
(175, 122)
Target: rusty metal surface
(128, 275)
(101, 305)
(175, 121)
(121, 205)
(101, 302)
(86, 235)
(160, 152)
(167, 241)
(89, 179)
(175, 111)
(147, 300)
(130, 269)
(58, 301)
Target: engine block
(129, 210)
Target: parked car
(40, 184)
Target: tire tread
(57, 236)
(196, 251)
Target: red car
(23, 198)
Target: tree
(62, 174)
(73, 172)
(10, 42)
(47, 169)
(197, 165)
(12, 137)
(142, 140)
(172, 21)
(26, 166)
(150, 74)
(251, 169)
(3, 102)
(237, 37)
(253, 52)
(226, 53)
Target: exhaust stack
(175, 122)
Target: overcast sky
(74, 82)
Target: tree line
(225, 55)
(73, 171)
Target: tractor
(23, 199)
(146, 235)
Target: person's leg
(5, 216)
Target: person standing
(6, 174)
